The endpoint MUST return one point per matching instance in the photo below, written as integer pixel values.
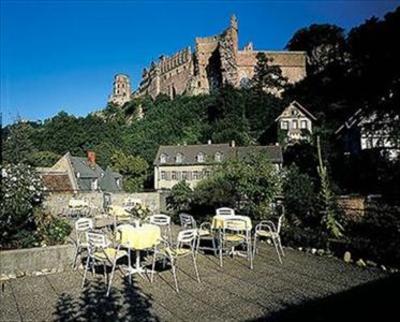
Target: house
(174, 163)
(363, 131)
(295, 123)
(71, 173)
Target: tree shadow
(373, 301)
(126, 303)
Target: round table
(138, 238)
(218, 221)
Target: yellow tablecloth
(218, 221)
(76, 203)
(139, 238)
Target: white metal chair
(185, 238)
(203, 232)
(187, 221)
(100, 252)
(235, 232)
(267, 229)
(164, 222)
(225, 211)
(82, 226)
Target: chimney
(233, 143)
(209, 142)
(91, 157)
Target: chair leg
(75, 257)
(153, 267)
(105, 271)
(254, 246)
(249, 252)
(214, 246)
(111, 276)
(220, 255)
(86, 269)
(195, 268)
(129, 266)
(277, 250)
(280, 246)
(174, 273)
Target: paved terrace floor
(305, 287)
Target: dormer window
(179, 158)
(218, 157)
(200, 157)
(163, 158)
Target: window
(163, 175)
(185, 175)
(196, 175)
(218, 157)
(94, 184)
(174, 176)
(303, 124)
(163, 158)
(284, 125)
(206, 173)
(295, 124)
(200, 157)
(179, 158)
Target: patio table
(139, 238)
(218, 224)
(218, 221)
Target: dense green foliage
(249, 186)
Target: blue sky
(62, 55)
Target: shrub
(181, 197)
(51, 230)
(22, 192)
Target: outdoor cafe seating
(231, 235)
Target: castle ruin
(216, 61)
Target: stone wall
(57, 202)
(352, 206)
(36, 261)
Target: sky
(63, 55)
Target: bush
(51, 230)
(22, 192)
(181, 197)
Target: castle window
(163, 175)
(295, 124)
(218, 157)
(196, 175)
(284, 125)
(200, 157)
(185, 175)
(163, 158)
(303, 124)
(179, 158)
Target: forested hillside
(360, 69)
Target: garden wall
(57, 202)
(38, 260)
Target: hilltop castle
(216, 60)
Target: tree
(18, 145)
(132, 168)
(267, 76)
(250, 185)
(181, 197)
(323, 43)
(43, 158)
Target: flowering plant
(140, 211)
(22, 191)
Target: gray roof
(88, 172)
(189, 153)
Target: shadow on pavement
(374, 301)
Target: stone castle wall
(217, 60)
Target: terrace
(305, 286)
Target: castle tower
(121, 90)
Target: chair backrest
(187, 237)
(225, 211)
(187, 221)
(160, 220)
(96, 241)
(235, 225)
(83, 224)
